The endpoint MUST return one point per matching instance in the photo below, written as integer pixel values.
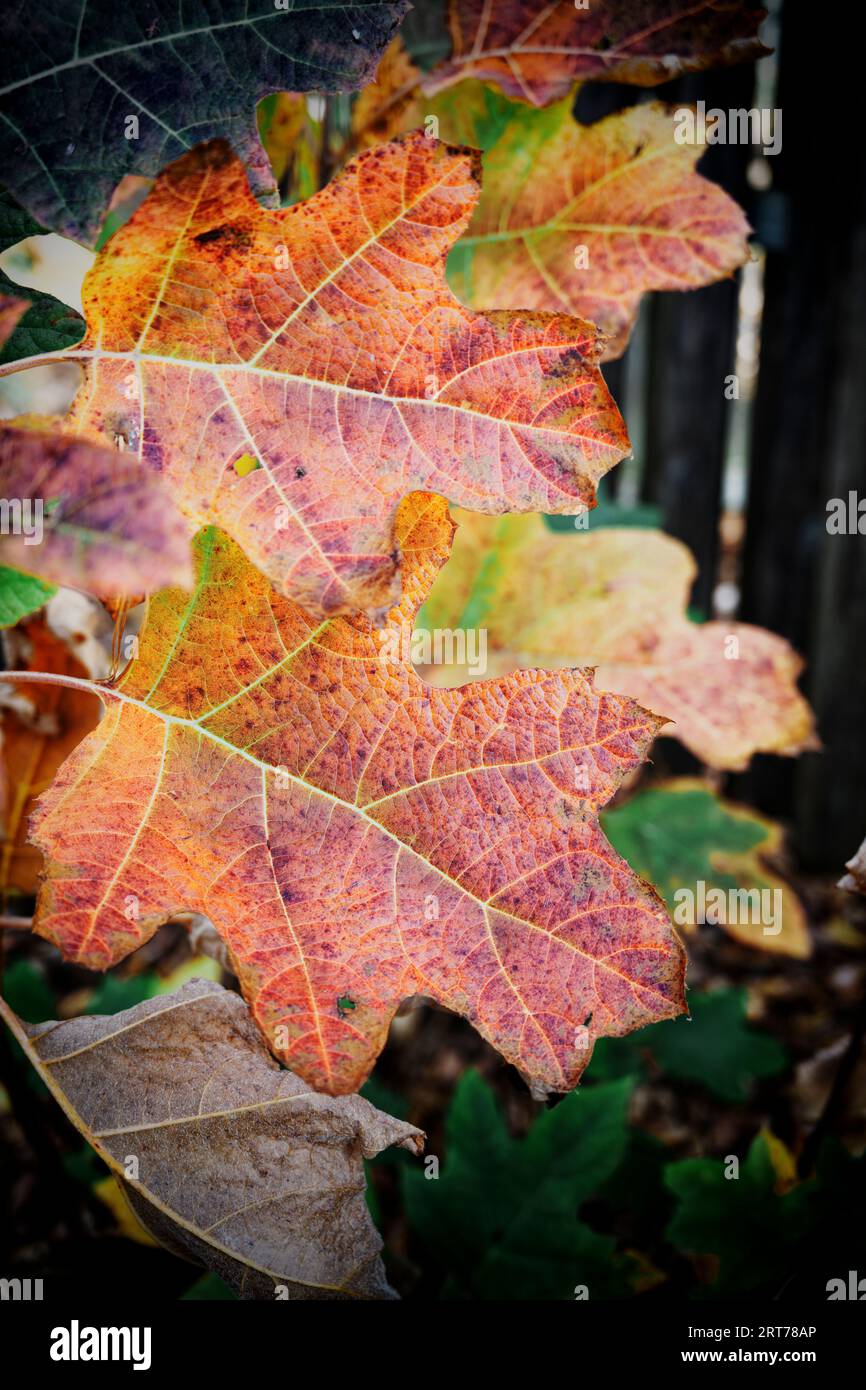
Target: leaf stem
(54, 678)
(41, 359)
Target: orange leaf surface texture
(293, 374)
(357, 837)
(36, 738)
(586, 219)
(534, 51)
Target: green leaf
(739, 1219)
(114, 994)
(209, 1288)
(763, 1239)
(669, 837)
(20, 595)
(502, 1217)
(26, 990)
(716, 1047)
(711, 861)
(91, 92)
(47, 325)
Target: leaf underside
(88, 516)
(535, 52)
(239, 1166)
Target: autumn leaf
(127, 93)
(679, 834)
(587, 219)
(85, 515)
(388, 105)
(31, 321)
(225, 1158)
(355, 836)
(11, 310)
(536, 52)
(34, 747)
(320, 348)
(577, 219)
(616, 599)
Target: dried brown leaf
(240, 1166)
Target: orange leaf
(535, 51)
(386, 107)
(586, 219)
(322, 341)
(616, 599)
(11, 310)
(33, 749)
(357, 837)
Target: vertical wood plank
(691, 352)
(807, 442)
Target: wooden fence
(800, 440)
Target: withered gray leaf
(855, 879)
(241, 1167)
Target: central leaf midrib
(198, 726)
(221, 369)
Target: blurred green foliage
(715, 1048)
(502, 1217)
